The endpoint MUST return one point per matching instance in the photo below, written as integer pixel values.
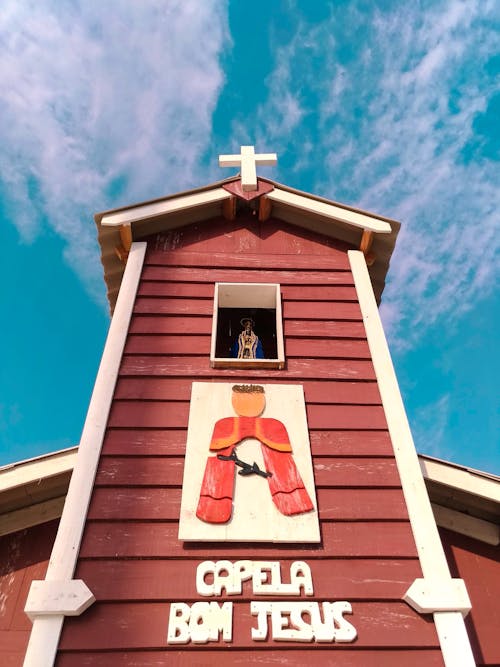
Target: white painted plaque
(248, 473)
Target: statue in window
(247, 345)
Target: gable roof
(464, 500)
(298, 208)
(34, 491)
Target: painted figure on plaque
(247, 345)
(285, 484)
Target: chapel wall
(477, 564)
(131, 557)
(24, 556)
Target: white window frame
(248, 295)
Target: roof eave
(184, 208)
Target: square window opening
(247, 329)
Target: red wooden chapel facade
(118, 565)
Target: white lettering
(265, 575)
(300, 621)
(344, 631)
(178, 623)
(300, 574)
(259, 609)
(201, 623)
(288, 622)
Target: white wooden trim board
(464, 524)
(354, 218)
(174, 205)
(44, 639)
(467, 480)
(26, 472)
(454, 641)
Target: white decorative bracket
(56, 598)
(431, 595)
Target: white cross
(248, 160)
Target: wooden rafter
(229, 208)
(366, 241)
(123, 249)
(365, 244)
(265, 208)
(126, 235)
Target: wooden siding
(24, 556)
(130, 555)
(477, 563)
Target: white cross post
(248, 159)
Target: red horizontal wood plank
(247, 275)
(321, 310)
(151, 305)
(35, 571)
(138, 539)
(324, 329)
(129, 503)
(182, 344)
(11, 581)
(13, 645)
(164, 504)
(168, 471)
(170, 324)
(199, 368)
(334, 261)
(361, 504)
(149, 414)
(322, 655)
(346, 417)
(330, 472)
(170, 414)
(143, 471)
(350, 443)
(280, 237)
(352, 579)
(246, 234)
(169, 389)
(294, 347)
(202, 325)
(168, 289)
(318, 293)
(12, 659)
(160, 389)
(313, 310)
(478, 563)
(164, 442)
(327, 348)
(172, 442)
(143, 625)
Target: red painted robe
(285, 484)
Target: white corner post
(437, 592)
(59, 595)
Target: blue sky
(389, 106)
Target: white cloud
(431, 423)
(103, 105)
(396, 123)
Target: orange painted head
(248, 400)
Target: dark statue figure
(247, 345)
